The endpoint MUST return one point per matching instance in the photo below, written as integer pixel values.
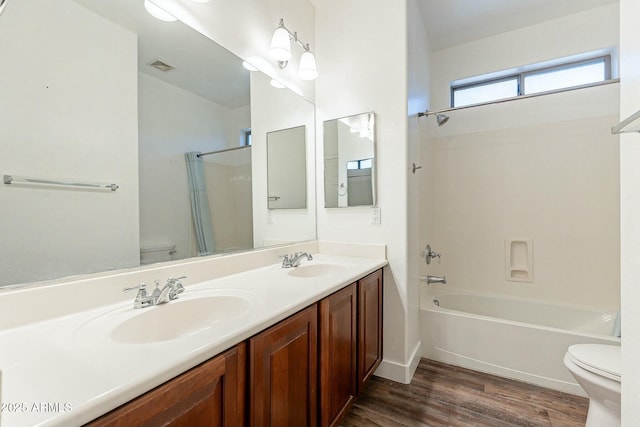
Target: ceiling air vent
(161, 66)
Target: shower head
(3, 3)
(442, 119)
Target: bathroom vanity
(305, 370)
(287, 346)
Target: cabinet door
(283, 372)
(211, 394)
(338, 329)
(369, 326)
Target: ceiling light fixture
(158, 12)
(278, 85)
(281, 52)
(249, 66)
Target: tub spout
(434, 279)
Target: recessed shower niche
(519, 260)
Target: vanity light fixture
(281, 52)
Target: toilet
(597, 367)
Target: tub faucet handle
(429, 254)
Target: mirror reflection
(110, 94)
(286, 168)
(273, 110)
(349, 161)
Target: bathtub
(513, 338)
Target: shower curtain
(200, 204)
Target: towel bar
(9, 179)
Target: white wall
(173, 122)
(630, 212)
(362, 57)
(544, 168)
(68, 112)
(556, 184)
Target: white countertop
(68, 371)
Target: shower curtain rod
(223, 150)
(515, 98)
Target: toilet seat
(600, 359)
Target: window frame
(521, 75)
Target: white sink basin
(193, 312)
(316, 270)
(178, 318)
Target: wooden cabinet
(369, 326)
(283, 372)
(350, 345)
(338, 345)
(211, 394)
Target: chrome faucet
(437, 279)
(169, 292)
(289, 261)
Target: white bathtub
(509, 337)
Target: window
(485, 92)
(540, 80)
(572, 75)
(246, 137)
(360, 164)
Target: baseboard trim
(400, 372)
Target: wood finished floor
(445, 395)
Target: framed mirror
(349, 161)
(110, 94)
(286, 168)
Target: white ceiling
(452, 22)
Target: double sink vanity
(254, 345)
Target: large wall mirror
(100, 91)
(349, 161)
